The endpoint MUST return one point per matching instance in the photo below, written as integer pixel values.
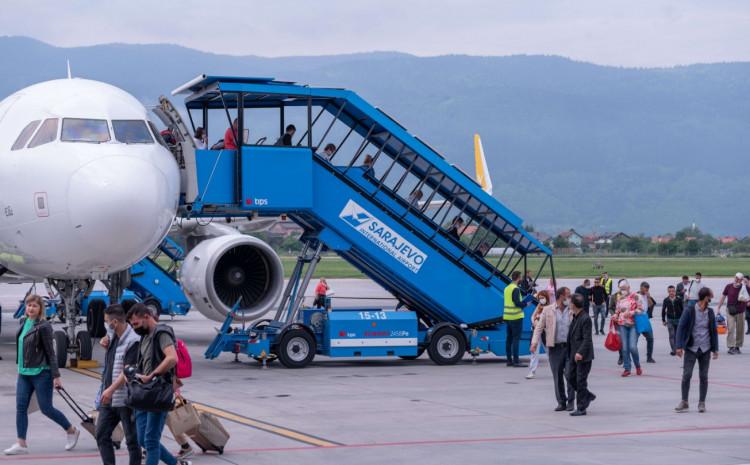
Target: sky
(631, 33)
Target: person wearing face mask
(37, 374)
(627, 304)
(671, 311)
(554, 323)
(122, 351)
(736, 304)
(585, 290)
(691, 293)
(542, 298)
(697, 338)
(648, 303)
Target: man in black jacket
(581, 355)
(671, 311)
(697, 339)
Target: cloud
(617, 32)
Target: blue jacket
(684, 336)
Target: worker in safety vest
(607, 283)
(513, 317)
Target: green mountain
(569, 144)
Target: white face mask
(566, 302)
(542, 301)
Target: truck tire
(447, 346)
(85, 348)
(95, 318)
(60, 339)
(296, 348)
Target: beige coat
(548, 323)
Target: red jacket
(229, 139)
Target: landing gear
(95, 318)
(69, 343)
(60, 341)
(85, 347)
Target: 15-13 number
(373, 315)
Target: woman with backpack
(37, 373)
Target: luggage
(88, 420)
(613, 342)
(210, 435)
(642, 323)
(184, 418)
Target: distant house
(606, 239)
(666, 239)
(728, 239)
(541, 237)
(573, 237)
(589, 241)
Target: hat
(739, 276)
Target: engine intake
(219, 271)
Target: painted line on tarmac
(243, 420)
(675, 378)
(428, 442)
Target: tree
(561, 243)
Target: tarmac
(376, 411)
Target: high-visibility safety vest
(608, 286)
(511, 312)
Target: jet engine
(219, 271)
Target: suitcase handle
(80, 413)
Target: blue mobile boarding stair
(383, 200)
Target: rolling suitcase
(88, 421)
(210, 435)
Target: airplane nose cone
(121, 207)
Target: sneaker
(731, 351)
(530, 376)
(16, 449)
(702, 407)
(638, 371)
(682, 407)
(184, 462)
(184, 452)
(650, 360)
(737, 350)
(72, 439)
(625, 373)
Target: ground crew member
(513, 317)
(607, 283)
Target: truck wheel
(95, 318)
(60, 340)
(85, 348)
(447, 346)
(154, 305)
(296, 348)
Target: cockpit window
(84, 130)
(131, 132)
(157, 135)
(25, 134)
(47, 133)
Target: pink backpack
(184, 367)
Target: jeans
(558, 363)
(512, 340)
(629, 337)
(600, 310)
(735, 329)
(25, 388)
(150, 426)
(108, 419)
(672, 329)
(649, 343)
(704, 360)
(578, 379)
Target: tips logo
(354, 214)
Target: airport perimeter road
(392, 411)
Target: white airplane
(86, 188)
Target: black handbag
(155, 396)
(734, 309)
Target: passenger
(747, 307)
(286, 139)
(599, 299)
(682, 287)
(122, 351)
(542, 300)
(368, 165)
(736, 304)
(320, 293)
(201, 142)
(580, 355)
(691, 293)
(528, 284)
(554, 323)
(648, 303)
(513, 318)
(671, 311)
(415, 197)
(37, 373)
(153, 361)
(626, 305)
(456, 225)
(483, 249)
(328, 151)
(230, 136)
(697, 338)
(585, 290)
(551, 290)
